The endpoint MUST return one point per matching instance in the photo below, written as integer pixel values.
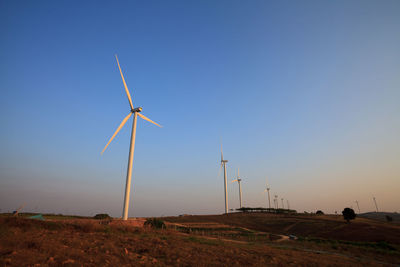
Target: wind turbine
(240, 188)
(276, 202)
(376, 206)
(358, 206)
(223, 164)
(135, 112)
(288, 206)
(283, 206)
(267, 190)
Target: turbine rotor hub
(139, 109)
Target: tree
(319, 212)
(348, 214)
(102, 216)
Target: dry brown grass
(26, 242)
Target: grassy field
(318, 226)
(215, 240)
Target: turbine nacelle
(139, 109)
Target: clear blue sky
(304, 92)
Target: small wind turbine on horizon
(288, 206)
(267, 190)
(276, 202)
(283, 206)
(358, 206)
(135, 112)
(223, 164)
(238, 179)
(376, 205)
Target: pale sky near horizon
(306, 93)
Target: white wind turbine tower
(358, 206)
(238, 179)
(376, 206)
(135, 112)
(276, 202)
(267, 190)
(283, 206)
(223, 164)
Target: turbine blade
(118, 129)
(222, 154)
(147, 119)
(220, 169)
(126, 87)
(234, 181)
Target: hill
(381, 216)
(319, 226)
(213, 240)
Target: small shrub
(155, 223)
(389, 218)
(102, 216)
(319, 212)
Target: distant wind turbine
(283, 206)
(358, 206)
(135, 112)
(223, 164)
(267, 190)
(238, 179)
(288, 206)
(376, 206)
(276, 202)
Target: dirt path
(283, 237)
